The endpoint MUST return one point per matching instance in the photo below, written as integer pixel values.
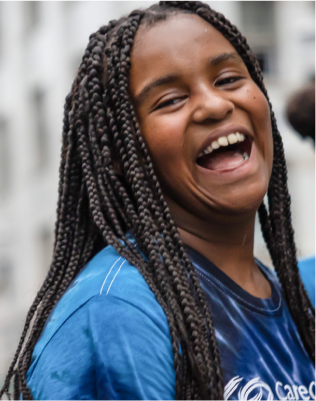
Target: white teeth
(215, 145)
(245, 156)
(240, 137)
(223, 141)
(232, 138)
(208, 150)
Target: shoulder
(107, 285)
(107, 325)
(306, 268)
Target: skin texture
(203, 87)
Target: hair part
(97, 206)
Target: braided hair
(97, 205)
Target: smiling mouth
(226, 156)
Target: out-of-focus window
(75, 62)
(1, 28)
(258, 16)
(5, 275)
(4, 157)
(40, 126)
(258, 24)
(45, 250)
(69, 2)
(32, 14)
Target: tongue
(222, 160)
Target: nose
(211, 104)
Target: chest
(262, 355)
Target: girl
(169, 146)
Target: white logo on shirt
(253, 390)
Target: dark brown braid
(97, 206)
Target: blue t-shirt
(307, 270)
(108, 338)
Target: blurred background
(41, 45)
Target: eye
(168, 102)
(227, 81)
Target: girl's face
(189, 88)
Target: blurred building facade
(41, 45)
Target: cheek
(262, 112)
(261, 120)
(163, 138)
(266, 132)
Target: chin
(244, 203)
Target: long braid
(139, 188)
(170, 322)
(98, 205)
(173, 266)
(174, 245)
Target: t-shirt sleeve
(109, 348)
(307, 272)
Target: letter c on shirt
(310, 390)
(277, 391)
(303, 391)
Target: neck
(228, 243)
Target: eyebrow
(213, 61)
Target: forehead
(179, 42)
(177, 31)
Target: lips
(228, 157)
(226, 149)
